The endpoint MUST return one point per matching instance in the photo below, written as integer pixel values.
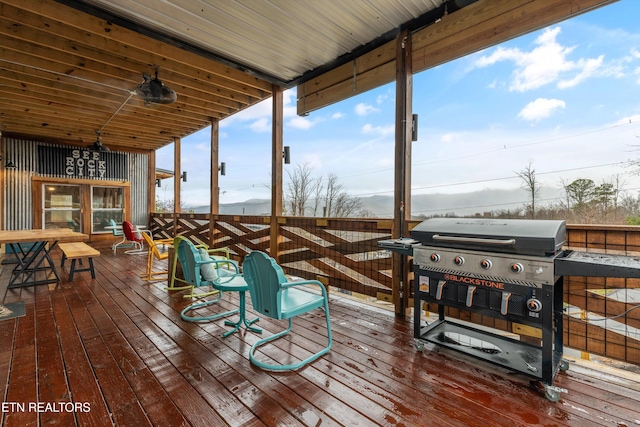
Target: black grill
(507, 269)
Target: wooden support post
(276, 171)
(402, 193)
(176, 174)
(215, 158)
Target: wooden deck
(113, 351)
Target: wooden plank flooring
(114, 351)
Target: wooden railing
(341, 252)
(344, 254)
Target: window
(107, 203)
(61, 207)
(83, 205)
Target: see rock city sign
(85, 163)
(81, 163)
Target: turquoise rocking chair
(201, 270)
(273, 296)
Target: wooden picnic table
(35, 258)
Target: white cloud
(300, 123)
(337, 115)
(589, 68)
(378, 130)
(203, 146)
(261, 125)
(261, 113)
(627, 120)
(447, 137)
(540, 109)
(363, 109)
(545, 64)
(313, 160)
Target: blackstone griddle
(507, 269)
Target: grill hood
(523, 237)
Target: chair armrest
(201, 244)
(286, 285)
(224, 250)
(219, 261)
(163, 242)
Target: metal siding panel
(18, 206)
(138, 175)
(18, 200)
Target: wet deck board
(118, 345)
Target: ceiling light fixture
(97, 146)
(10, 164)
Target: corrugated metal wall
(18, 203)
(139, 177)
(18, 200)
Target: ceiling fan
(152, 90)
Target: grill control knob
(516, 267)
(486, 264)
(435, 257)
(534, 305)
(458, 260)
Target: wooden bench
(76, 251)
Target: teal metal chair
(117, 232)
(195, 263)
(213, 253)
(273, 296)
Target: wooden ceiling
(64, 74)
(68, 68)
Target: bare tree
(167, 203)
(317, 198)
(308, 195)
(531, 185)
(336, 202)
(302, 185)
(566, 200)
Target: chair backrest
(130, 233)
(152, 246)
(264, 278)
(189, 258)
(114, 230)
(177, 240)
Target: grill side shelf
(403, 246)
(573, 263)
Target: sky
(564, 99)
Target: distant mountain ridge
(423, 204)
